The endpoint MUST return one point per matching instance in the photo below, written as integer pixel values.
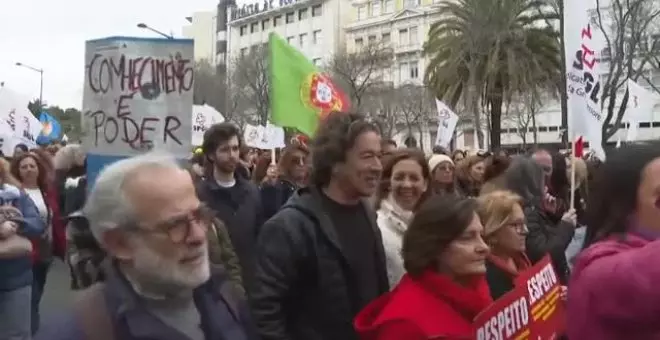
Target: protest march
(295, 193)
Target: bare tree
(522, 112)
(416, 109)
(249, 87)
(380, 105)
(632, 36)
(360, 71)
(210, 87)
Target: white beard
(159, 275)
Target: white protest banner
(447, 121)
(273, 137)
(583, 45)
(252, 135)
(264, 137)
(202, 118)
(640, 105)
(24, 127)
(138, 96)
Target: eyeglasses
(519, 227)
(178, 228)
(445, 168)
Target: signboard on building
(258, 7)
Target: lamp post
(41, 82)
(147, 27)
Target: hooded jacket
(304, 285)
(17, 272)
(431, 306)
(613, 291)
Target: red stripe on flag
(579, 147)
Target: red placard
(532, 310)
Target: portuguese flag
(300, 94)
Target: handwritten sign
(137, 97)
(532, 310)
(202, 118)
(264, 137)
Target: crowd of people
(344, 236)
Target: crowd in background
(344, 236)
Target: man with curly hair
(320, 258)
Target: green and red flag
(300, 94)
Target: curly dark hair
(438, 222)
(218, 134)
(334, 137)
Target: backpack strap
(92, 314)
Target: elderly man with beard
(160, 285)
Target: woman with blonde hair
(502, 216)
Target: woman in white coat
(405, 185)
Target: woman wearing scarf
(405, 183)
(505, 231)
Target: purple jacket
(614, 292)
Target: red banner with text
(532, 310)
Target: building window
(317, 61)
(289, 40)
(302, 38)
(317, 10)
(289, 17)
(302, 14)
(371, 39)
(414, 70)
(254, 27)
(413, 35)
(389, 6)
(265, 25)
(277, 21)
(318, 38)
(410, 3)
(244, 51)
(359, 42)
(362, 12)
(386, 38)
(243, 30)
(404, 71)
(403, 37)
(376, 8)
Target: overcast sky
(51, 34)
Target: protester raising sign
(532, 310)
(137, 96)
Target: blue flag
(51, 129)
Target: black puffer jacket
(305, 288)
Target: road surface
(58, 294)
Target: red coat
(429, 307)
(58, 225)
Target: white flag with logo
(640, 106)
(202, 118)
(583, 46)
(447, 121)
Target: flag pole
(272, 156)
(573, 142)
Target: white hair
(107, 206)
(69, 156)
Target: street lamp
(147, 27)
(41, 83)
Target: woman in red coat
(444, 287)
